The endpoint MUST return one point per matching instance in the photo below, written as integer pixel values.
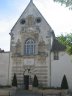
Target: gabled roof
(31, 9)
(57, 46)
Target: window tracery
(29, 47)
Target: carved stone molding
(17, 49)
(34, 29)
(12, 36)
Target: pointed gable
(31, 10)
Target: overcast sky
(59, 17)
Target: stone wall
(61, 67)
(4, 68)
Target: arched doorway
(26, 82)
(27, 78)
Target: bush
(14, 81)
(35, 81)
(64, 84)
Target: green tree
(67, 41)
(68, 3)
(35, 81)
(62, 39)
(64, 84)
(14, 81)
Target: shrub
(64, 84)
(14, 81)
(35, 81)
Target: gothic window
(29, 47)
(56, 55)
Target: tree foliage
(64, 84)
(14, 81)
(35, 81)
(67, 41)
(68, 3)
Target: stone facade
(30, 27)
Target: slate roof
(57, 46)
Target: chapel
(31, 45)
(34, 51)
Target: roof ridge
(31, 0)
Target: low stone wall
(7, 91)
(47, 92)
(13, 91)
(52, 92)
(4, 92)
